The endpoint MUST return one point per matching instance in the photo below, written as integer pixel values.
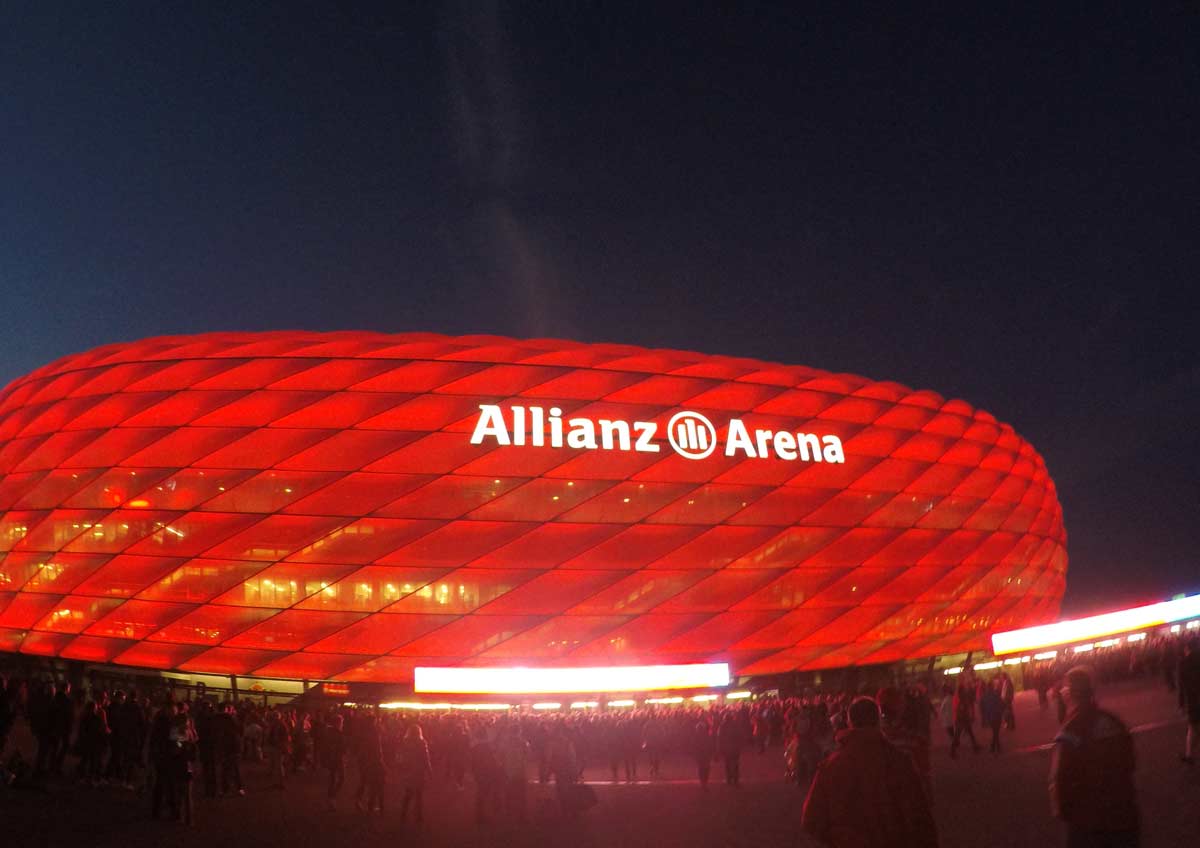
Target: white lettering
(762, 437)
(518, 425)
(645, 432)
(490, 423)
(538, 426)
(610, 428)
(738, 439)
(833, 449)
(582, 435)
(690, 434)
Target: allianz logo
(690, 434)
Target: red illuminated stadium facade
(350, 506)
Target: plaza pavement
(981, 801)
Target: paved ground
(982, 801)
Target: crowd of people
(830, 744)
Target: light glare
(642, 678)
(1092, 627)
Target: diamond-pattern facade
(311, 505)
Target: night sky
(999, 206)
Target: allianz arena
(350, 506)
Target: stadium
(349, 507)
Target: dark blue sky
(1001, 206)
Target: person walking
(868, 794)
(333, 752)
(1008, 694)
(374, 770)
(703, 750)
(946, 712)
(487, 775)
(896, 723)
(991, 710)
(964, 715)
(1091, 772)
(513, 752)
(730, 741)
(228, 744)
(415, 770)
(1188, 681)
(279, 747)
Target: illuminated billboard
(352, 506)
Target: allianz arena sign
(690, 434)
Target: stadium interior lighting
(955, 670)
(1046, 655)
(986, 666)
(1096, 626)
(1083, 649)
(1136, 637)
(664, 700)
(584, 705)
(547, 705)
(530, 681)
(735, 696)
(702, 698)
(625, 702)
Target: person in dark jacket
(333, 755)
(1091, 772)
(93, 737)
(897, 725)
(415, 770)
(371, 762)
(703, 749)
(227, 748)
(487, 774)
(731, 738)
(8, 713)
(163, 792)
(991, 710)
(868, 794)
(1189, 698)
(964, 714)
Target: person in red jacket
(868, 794)
(1091, 772)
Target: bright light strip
(533, 681)
(1108, 643)
(956, 670)
(1083, 649)
(736, 696)
(1078, 629)
(584, 705)
(985, 666)
(1192, 625)
(418, 705)
(548, 705)
(1016, 661)
(664, 700)
(1176, 628)
(1136, 637)
(702, 698)
(622, 703)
